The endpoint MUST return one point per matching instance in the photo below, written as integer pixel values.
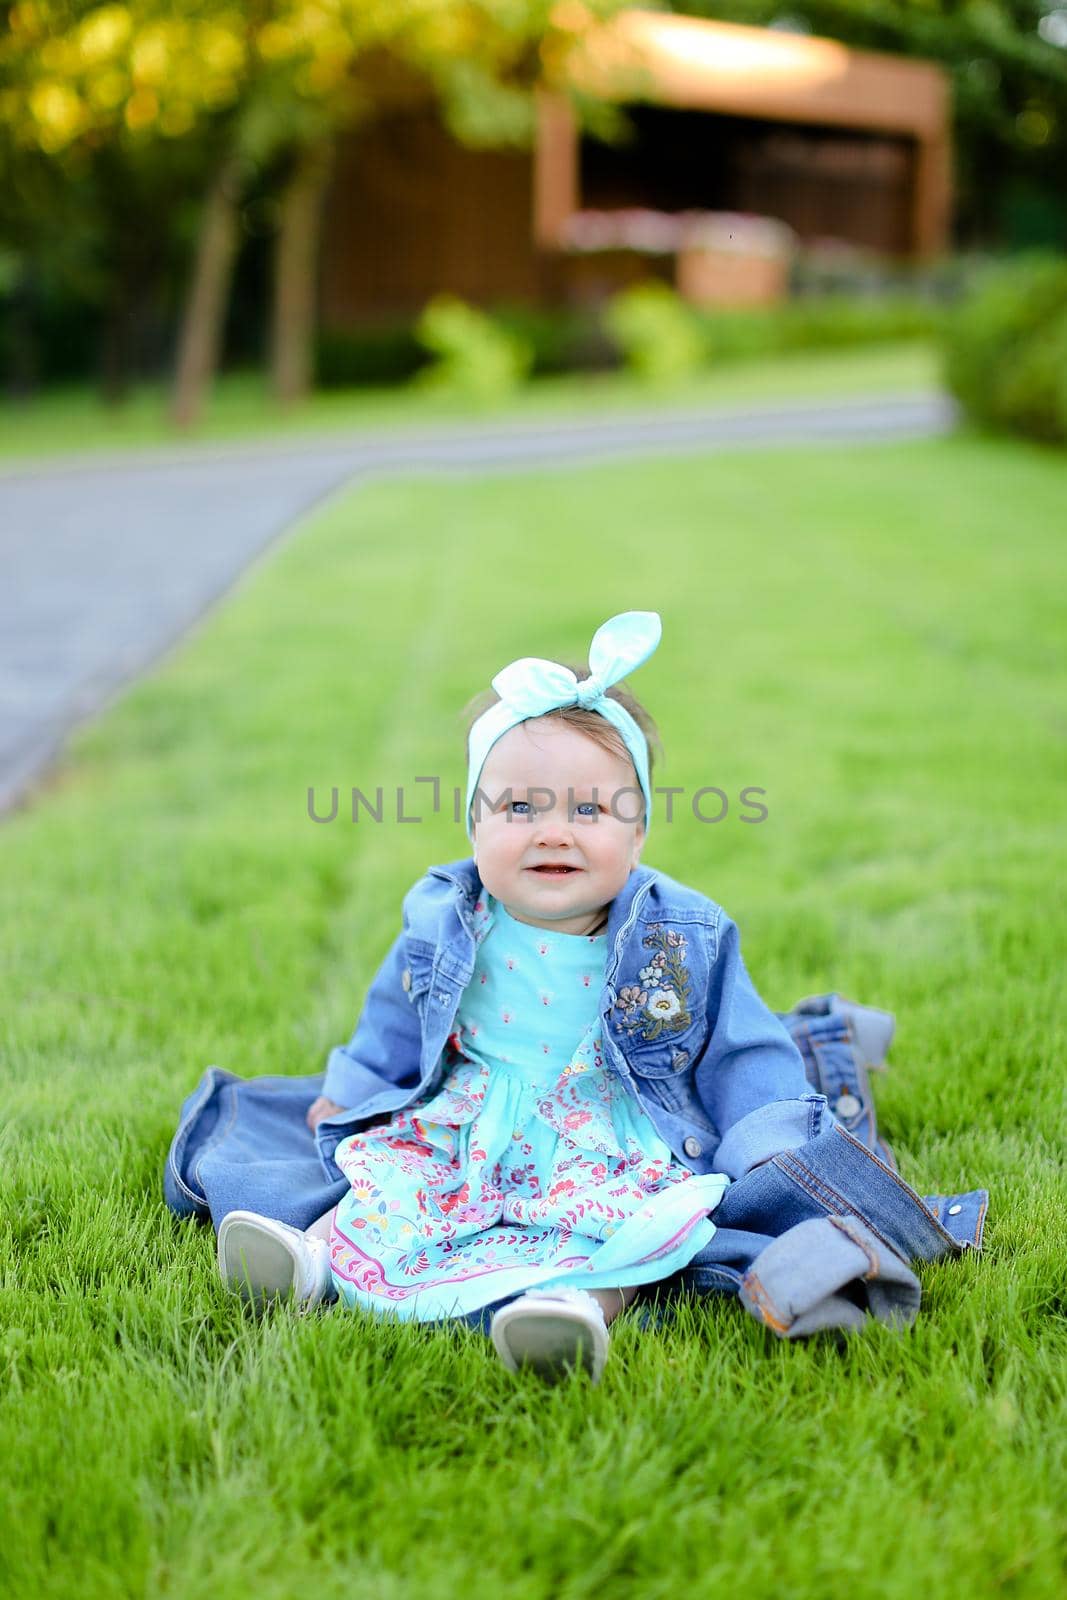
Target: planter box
(733, 259)
(709, 277)
(713, 258)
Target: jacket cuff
(347, 1083)
(781, 1125)
(798, 1284)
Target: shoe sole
(255, 1263)
(548, 1342)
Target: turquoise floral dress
(531, 1166)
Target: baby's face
(529, 830)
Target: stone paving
(106, 561)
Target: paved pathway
(106, 560)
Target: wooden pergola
(692, 64)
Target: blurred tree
(102, 101)
(109, 117)
(337, 68)
(1008, 63)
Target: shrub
(473, 353)
(346, 357)
(821, 322)
(562, 339)
(658, 334)
(1005, 348)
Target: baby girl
(562, 1062)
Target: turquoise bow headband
(531, 687)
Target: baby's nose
(553, 825)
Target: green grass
(874, 635)
(73, 418)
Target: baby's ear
(639, 842)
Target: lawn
(72, 417)
(873, 635)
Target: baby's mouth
(555, 872)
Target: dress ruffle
(500, 1183)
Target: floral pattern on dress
(494, 1186)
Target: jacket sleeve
(751, 1078)
(385, 1050)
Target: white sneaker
(551, 1329)
(262, 1259)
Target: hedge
(1005, 348)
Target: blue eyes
(584, 808)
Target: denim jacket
(715, 1070)
(817, 1227)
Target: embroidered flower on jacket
(660, 1002)
(664, 1003)
(631, 997)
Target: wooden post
(555, 179)
(932, 196)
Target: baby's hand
(319, 1109)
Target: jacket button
(846, 1105)
(954, 1211)
(405, 979)
(692, 1147)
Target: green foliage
(1005, 349)
(566, 339)
(94, 96)
(657, 332)
(660, 337)
(354, 356)
(563, 338)
(559, 339)
(473, 354)
(822, 322)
